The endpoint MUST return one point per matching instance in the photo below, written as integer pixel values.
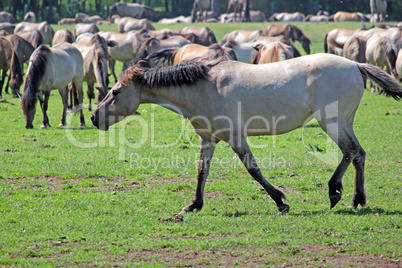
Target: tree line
(54, 10)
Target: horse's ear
(111, 43)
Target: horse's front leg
(64, 98)
(90, 95)
(243, 151)
(80, 96)
(44, 105)
(207, 151)
(3, 76)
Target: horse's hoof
(284, 209)
(335, 199)
(62, 125)
(43, 126)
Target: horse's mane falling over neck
(185, 73)
(36, 70)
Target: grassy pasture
(72, 197)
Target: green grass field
(81, 197)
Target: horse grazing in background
(265, 40)
(355, 49)
(128, 10)
(378, 10)
(273, 52)
(127, 24)
(81, 28)
(202, 6)
(229, 101)
(289, 31)
(347, 16)
(33, 37)
(84, 18)
(205, 35)
(63, 35)
(95, 57)
(239, 6)
(168, 57)
(9, 61)
(52, 68)
(297, 16)
(241, 36)
(242, 50)
(337, 38)
(44, 28)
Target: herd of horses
(228, 90)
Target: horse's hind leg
(80, 95)
(90, 95)
(64, 98)
(44, 105)
(242, 149)
(207, 151)
(112, 71)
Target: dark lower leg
(359, 196)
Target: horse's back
(68, 64)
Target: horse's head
(123, 100)
(305, 44)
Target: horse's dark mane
(142, 51)
(185, 73)
(164, 57)
(35, 72)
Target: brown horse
(95, 57)
(273, 52)
(66, 21)
(173, 56)
(347, 16)
(23, 48)
(153, 45)
(33, 37)
(289, 31)
(239, 6)
(205, 35)
(241, 36)
(52, 68)
(265, 40)
(229, 101)
(9, 60)
(63, 35)
(44, 28)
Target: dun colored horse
(289, 31)
(9, 60)
(44, 28)
(273, 52)
(229, 101)
(241, 36)
(153, 45)
(297, 16)
(33, 37)
(63, 35)
(52, 68)
(243, 51)
(205, 34)
(239, 6)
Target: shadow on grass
(368, 211)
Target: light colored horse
(127, 24)
(201, 6)
(379, 52)
(242, 50)
(81, 28)
(393, 33)
(337, 38)
(128, 10)
(265, 40)
(33, 37)
(205, 34)
(317, 18)
(173, 56)
(378, 10)
(355, 49)
(230, 100)
(6, 17)
(95, 66)
(289, 31)
(347, 16)
(287, 17)
(63, 35)
(44, 28)
(257, 16)
(179, 19)
(239, 6)
(273, 52)
(153, 45)
(398, 64)
(126, 48)
(30, 17)
(84, 18)
(9, 61)
(52, 68)
(241, 36)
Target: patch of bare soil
(173, 218)
(304, 256)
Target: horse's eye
(115, 92)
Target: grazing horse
(22, 48)
(242, 50)
(355, 48)
(33, 37)
(127, 24)
(273, 52)
(173, 56)
(81, 28)
(317, 18)
(347, 16)
(30, 17)
(84, 18)
(66, 21)
(229, 101)
(241, 36)
(379, 52)
(153, 45)
(239, 7)
(205, 35)
(95, 67)
(289, 31)
(126, 48)
(44, 28)
(52, 68)
(337, 38)
(128, 10)
(297, 16)
(398, 64)
(9, 60)
(378, 10)
(202, 6)
(265, 40)
(63, 35)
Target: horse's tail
(162, 58)
(16, 79)
(36, 71)
(390, 86)
(390, 54)
(325, 43)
